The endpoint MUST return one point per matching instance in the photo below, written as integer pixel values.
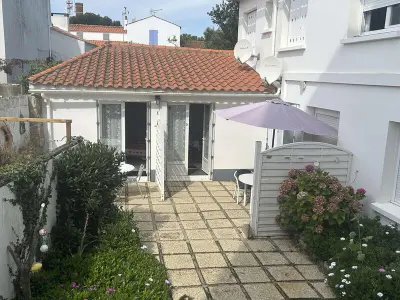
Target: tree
(226, 16)
(93, 19)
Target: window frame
(106, 34)
(366, 17)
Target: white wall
(11, 217)
(138, 32)
(65, 47)
(60, 21)
(98, 36)
(84, 120)
(26, 28)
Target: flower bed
(118, 268)
(362, 256)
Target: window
(251, 20)
(268, 17)
(330, 117)
(111, 125)
(80, 34)
(297, 20)
(381, 15)
(106, 36)
(153, 37)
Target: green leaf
(360, 256)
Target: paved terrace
(197, 233)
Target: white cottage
(156, 104)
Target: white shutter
(297, 22)
(330, 117)
(251, 26)
(397, 187)
(374, 4)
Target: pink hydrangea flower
(361, 191)
(382, 270)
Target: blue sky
(191, 15)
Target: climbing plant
(31, 195)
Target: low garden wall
(11, 221)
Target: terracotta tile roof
(135, 66)
(96, 28)
(62, 31)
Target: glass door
(111, 125)
(177, 141)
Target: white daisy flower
(331, 274)
(343, 293)
(342, 270)
(344, 248)
(387, 232)
(147, 284)
(133, 230)
(334, 264)
(167, 281)
(144, 247)
(380, 295)
(389, 276)
(325, 280)
(354, 267)
(398, 251)
(119, 275)
(361, 225)
(344, 280)
(342, 239)
(393, 270)
(341, 286)
(330, 267)
(347, 275)
(151, 279)
(348, 282)
(364, 245)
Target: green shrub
(116, 269)
(88, 179)
(312, 201)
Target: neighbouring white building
(99, 32)
(24, 33)
(139, 99)
(154, 31)
(66, 45)
(341, 62)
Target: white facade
(24, 32)
(334, 61)
(60, 20)
(139, 31)
(65, 47)
(99, 36)
(234, 143)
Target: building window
(106, 36)
(330, 117)
(297, 22)
(80, 34)
(381, 15)
(153, 37)
(251, 21)
(269, 14)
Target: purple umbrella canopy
(276, 114)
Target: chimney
(60, 20)
(78, 8)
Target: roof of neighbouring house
(193, 44)
(136, 66)
(64, 32)
(96, 28)
(101, 43)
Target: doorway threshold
(190, 178)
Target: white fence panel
(271, 169)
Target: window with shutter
(381, 15)
(297, 18)
(153, 37)
(330, 117)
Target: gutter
(153, 93)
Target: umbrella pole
(273, 138)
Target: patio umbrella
(276, 114)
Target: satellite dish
(243, 51)
(270, 69)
